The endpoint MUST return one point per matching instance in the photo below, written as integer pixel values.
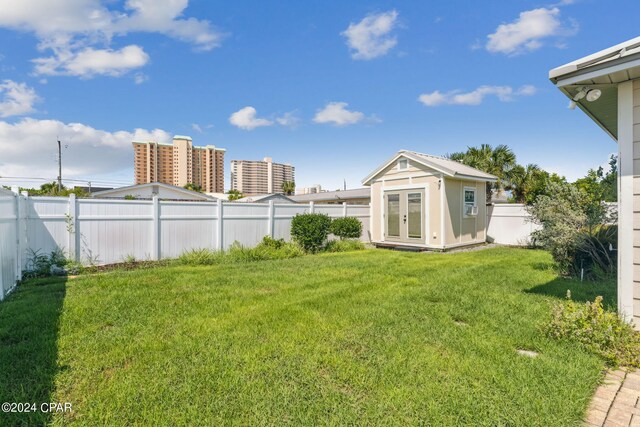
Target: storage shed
(428, 202)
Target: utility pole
(59, 167)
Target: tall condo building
(252, 177)
(179, 163)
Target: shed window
(470, 205)
(403, 164)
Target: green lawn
(370, 338)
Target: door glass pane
(393, 215)
(414, 215)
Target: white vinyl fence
(510, 224)
(101, 231)
(9, 250)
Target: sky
(334, 88)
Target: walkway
(617, 401)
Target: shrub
(270, 242)
(42, 265)
(200, 257)
(310, 230)
(268, 249)
(593, 253)
(346, 228)
(601, 331)
(344, 245)
(572, 230)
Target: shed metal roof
(448, 167)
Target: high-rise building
(179, 163)
(251, 177)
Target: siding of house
(458, 229)
(636, 203)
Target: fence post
(344, 209)
(16, 192)
(271, 219)
(219, 226)
(155, 239)
(72, 210)
(311, 207)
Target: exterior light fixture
(593, 95)
(590, 94)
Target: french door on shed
(404, 216)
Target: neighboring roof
(132, 188)
(153, 142)
(602, 70)
(324, 196)
(448, 167)
(92, 189)
(265, 198)
(188, 138)
(6, 192)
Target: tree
(609, 181)
(193, 187)
(575, 227)
(497, 161)
(288, 187)
(526, 183)
(234, 195)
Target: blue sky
(332, 87)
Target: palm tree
(288, 187)
(193, 187)
(496, 161)
(525, 182)
(234, 195)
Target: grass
(370, 338)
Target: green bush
(43, 265)
(310, 230)
(593, 254)
(601, 331)
(264, 251)
(573, 231)
(270, 242)
(346, 228)
(200, 257)
(268, 249)
(344, 245)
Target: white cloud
(82, 30)
(165, 18)
(246, 118)
(336, 113)
(289, 119)
(475, 97)
(90, 151)
(371, 38)
(140, 78)
(91, 62)
(16, 99)
(527, 32)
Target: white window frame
(400, 161)
(465, 203)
